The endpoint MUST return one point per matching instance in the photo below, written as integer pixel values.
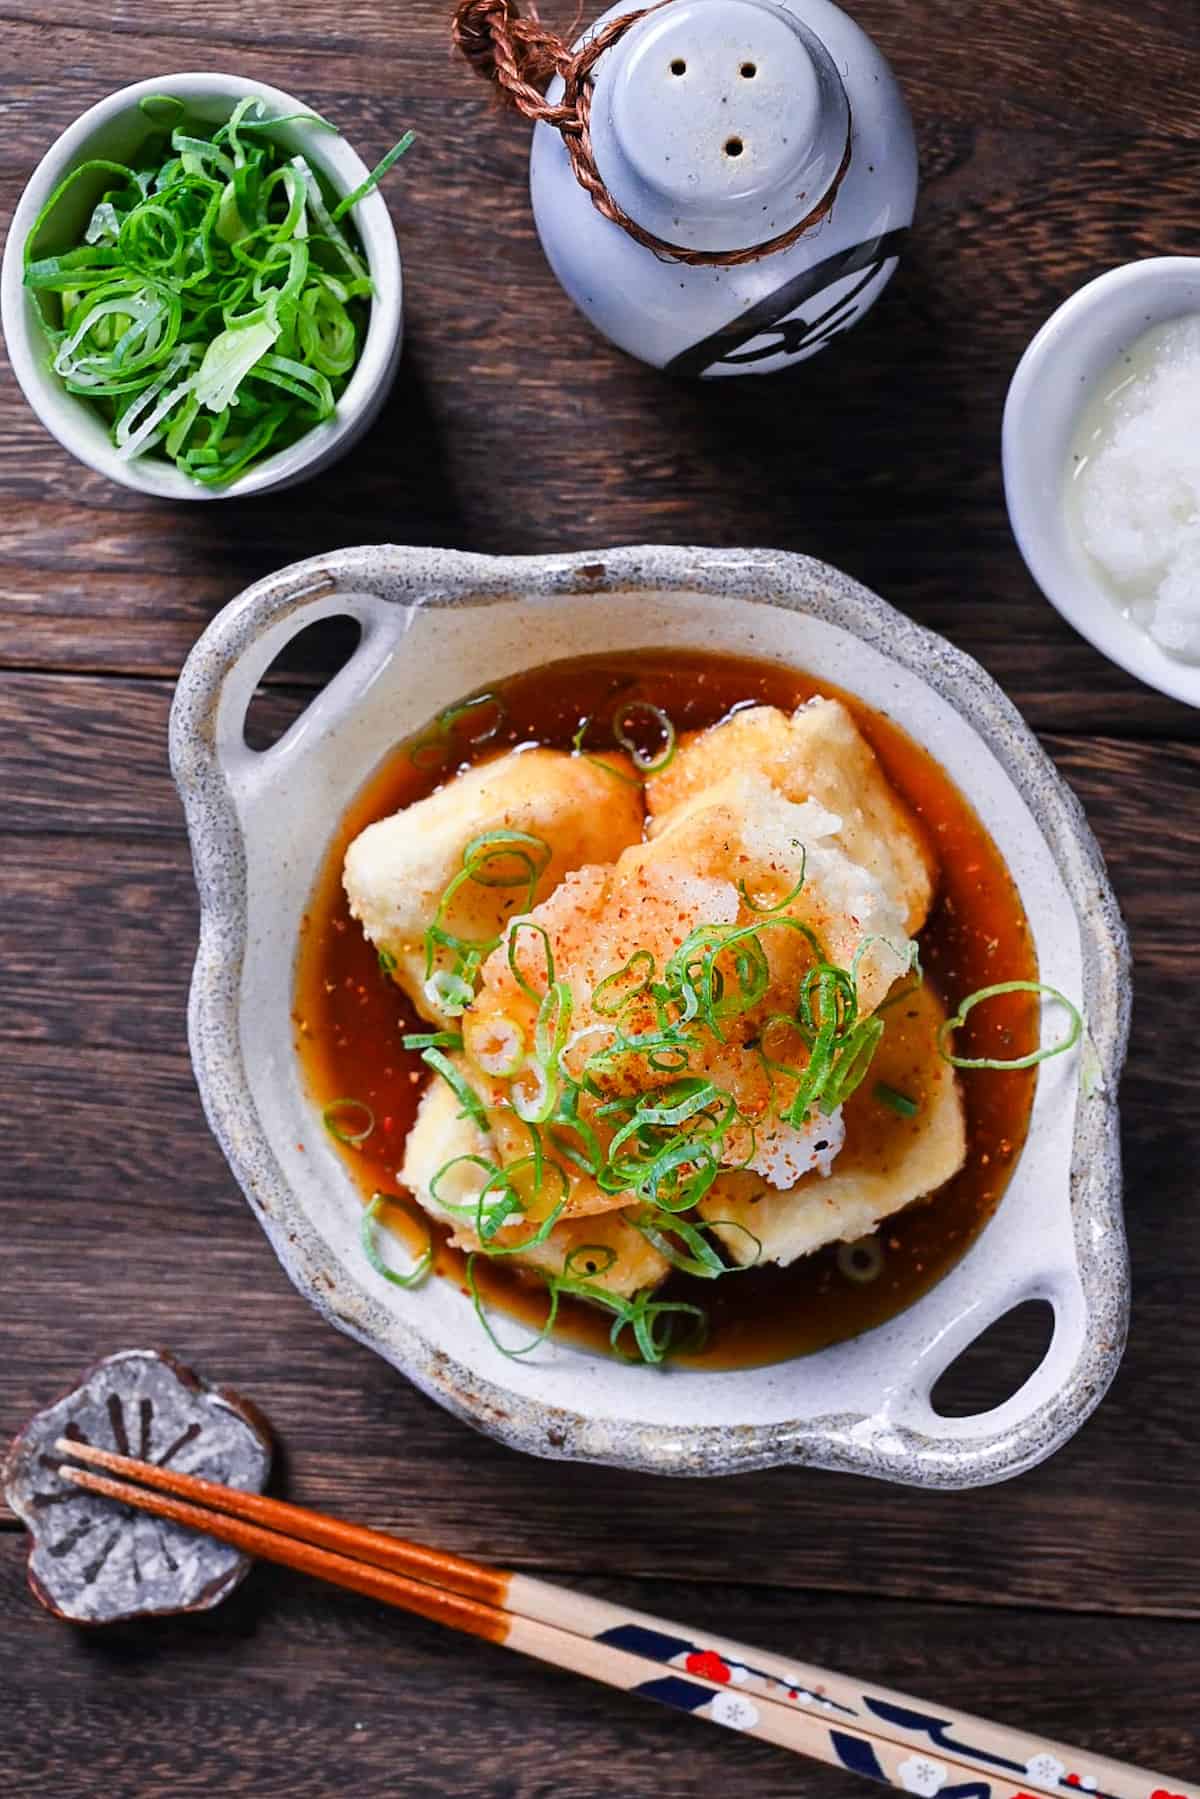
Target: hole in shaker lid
(749, 70)
(679, 67)
(733, 146)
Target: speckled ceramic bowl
(435, 625)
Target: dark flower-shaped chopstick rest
(96, 1563)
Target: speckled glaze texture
(435, 625)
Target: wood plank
(1043, 66)
(903, 489)
(131, 1230)
(288, 1688)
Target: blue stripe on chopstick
(858, 1756)
(684, 1695)
(655, 1645)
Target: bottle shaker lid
(717, 124)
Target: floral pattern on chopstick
(678, 1652)
(1046, 1769)
(918, 1772)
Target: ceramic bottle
(720, 125)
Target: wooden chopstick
(435, 1566)
(879, 1733)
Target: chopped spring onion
(514, 932)
(654, 761)
(462, 1089)
(436, 747)
(697, 1256)
(618, 774)
(616, 991)
(1074, 1028)
(509, 851)
(653, 1323)
(448, 992)
(533, 1094)
(895, 1100)
(587, 1260)
(646, 762)
(514, 1353)
(779, 905)
(371, 1250)
(495, 1044)
(511, 1206)
(213, 309)
(468, 1208)
(343, 1118)
(505, 858)
(375, 177)
(851, 1063)
(861, 1261)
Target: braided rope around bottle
(522, 56)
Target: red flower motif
(1162, 1793)
(1072, 1780)
(707, 1664)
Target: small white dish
(437, 624)
(113, 128)
(1055, 380)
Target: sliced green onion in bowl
(210, 309)
(895, 1101)
(647, 762)
(1068, 1042)
(350, 1121)
(424, 1261)
(494, 1043)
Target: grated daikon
(1134, 484)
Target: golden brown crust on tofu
(817, 753)
(397, 869)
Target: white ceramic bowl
(114, 128)
(436, 625)
(1055, 380)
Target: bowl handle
(222, 674)
(1062, 1290)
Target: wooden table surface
(1058, 137)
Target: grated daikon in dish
(1135, 487)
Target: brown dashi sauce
(350, 1017)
